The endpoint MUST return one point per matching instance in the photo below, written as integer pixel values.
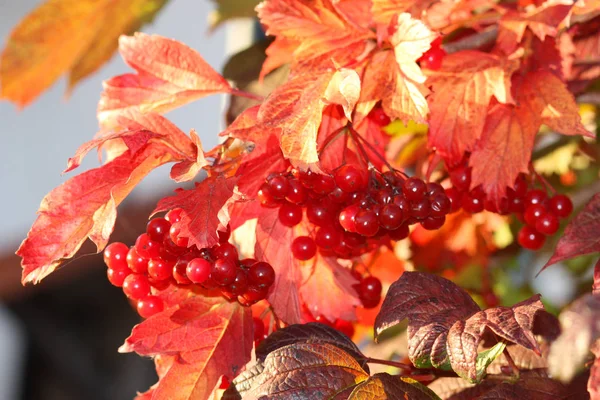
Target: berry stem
(241, 93)
(332, 136)
(359, 140)
(396, 364)
(511, 362)
(543, 181)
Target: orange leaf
(169, 75)
(462, 91)
(85, 206)
(187, 170)
(384, 10)
(504, 149)
(66, 35)
(210, 337)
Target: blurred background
(59, 340)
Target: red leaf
(201, 207)
(169, 75)
(273, 245)
(462, 91)
(581, 235)
(84, 207)
(210, 337)
(187, 170)
(328, 289)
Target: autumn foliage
(400, 141)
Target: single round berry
(399, 233)
(433, 223)
(328, 237)
(347, 217)
(432, 58)
(223, 271)
(265, 196)
(175, 235)
(149, 306)
(533, 213)
(259, 329)
(461, 178)
(136, 286)
(439, 205)
(304, 248)
(174, 215)
(290, 214)
(261, 274)
(115, 256)
(530, 239)
(520, 187)
(455, 197)
(391, 216)
(420, 209)
(158, 229)
(255, 294)
(379, 116)
(472, 204)
(296, 193)
(117, 276)
(307, 178)
(227, 251)
(370, 302)
(547, 224)
(369, 288)
(279, 186)
(535, 196)
(367, 223)
(346, 327)
(414, 189)
(324, 184)
(160, 269)
(319, 213)
(350, 178)
(434, 188)
(338, 196)
(239, 284)
(198, 270)
(136, 262)
(517, 205)
(561, 206)
(180, 270)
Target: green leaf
(486, 357)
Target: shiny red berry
(304, 248)
(115, 256)
(530, 239)
(290, 214)
(561, 205)
(149, 306)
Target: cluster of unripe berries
(353, 210)
(160, 257)
(540, 213)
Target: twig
(396, 364)
(590, 98)
(511, 362)
(475, 41)
(241, 93)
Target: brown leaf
(308, 371)
(312, 332)
(387, 387)
(530, 388)
(580, 329)
(581, 235)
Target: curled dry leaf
(445, 326)
(580, 329)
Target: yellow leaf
(398, 128)
(66, 35)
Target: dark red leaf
(203, 209)
(581, 235)
(530, 388)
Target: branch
(475, 41)
(590, 98)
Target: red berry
(439, 205)
(520, 187)
(255, 294)
(455, 197)
(517, 205)
(370, 288)
(319, 213)
(304, 248)
(307, 178)
(433, 223)
(174, 234)
(350, 178)
(227, 251)
(530, 239)
(324, 184)
(547, 224)
(158, 229)
(115, 256)
(391, 216)
(261, 274)
(366, 223)
(117, 277)
(136, 286)
(136, 262)
(174, 215)
(223, 271)
(296, 193)
(239, 284)
(535, 196)
(346, 327)
(259, 329)
(198, 270)
(159, 269)
(338, 196)
(533, 213)
(278, 186)
(472, 204)
(347, 217)
(400, 233)
(561, 205)
(266, 197)
(432, 59)
(149, 306)
(461, 178)
(290, 214)
(180, 270)
(328, 237)
(370, 303)
(414, 189)
(420, 208)
(379, 116)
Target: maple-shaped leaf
(445, 326)
(169, 75)
(581, 234)
(202, 207)
(85, 206)
(542, 21)
(187, 170)
(387, 387)
(312, 332)
(61, 36)
(580, 324)
(273, 245)
(462, 91)
(328, 289)
(211, 337)
(306, 371)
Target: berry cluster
(540, 213)
(353, 210)
(432, 58)
(160, 257)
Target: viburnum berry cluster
(160, 257)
